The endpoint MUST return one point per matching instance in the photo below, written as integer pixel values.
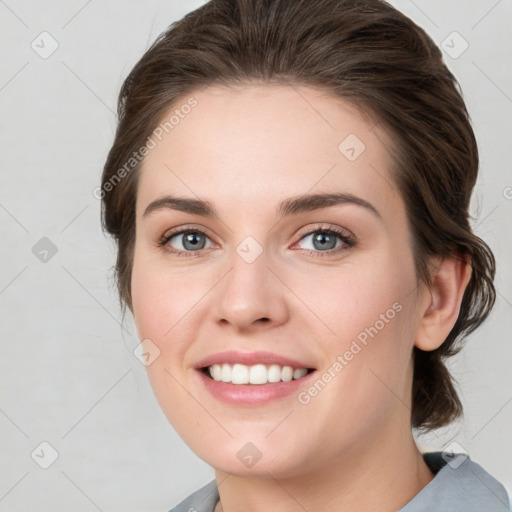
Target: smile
(256, 374)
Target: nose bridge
(250, 291)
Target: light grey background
(68, 375)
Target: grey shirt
(456, 487)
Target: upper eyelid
(184, 229)
(337, 230)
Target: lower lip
(252, 394)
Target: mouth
(258, 374)
(249, 379)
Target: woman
(289, 188)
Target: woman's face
(260, 275)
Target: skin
(245, 149)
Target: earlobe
(450, 278)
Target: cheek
(146, 318)
(161, 298)
(163, 301)
(169, 307)
(361, 301)
(370, 314)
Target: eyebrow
(291, 206)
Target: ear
(441, 303)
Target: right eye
(184, 241)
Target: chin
(245, 458)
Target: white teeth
(274, 373)
(216, 372)
(257, 374)
(226, 373)
(299, 372)
(287, 373)
(239, 374)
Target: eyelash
(347, 240)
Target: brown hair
(365, 52)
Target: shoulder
(460, 484)
(202, 500)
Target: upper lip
(250, 359)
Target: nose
(251, 295)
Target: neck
(369, 479)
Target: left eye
(325, 240)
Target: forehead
(266, 142)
